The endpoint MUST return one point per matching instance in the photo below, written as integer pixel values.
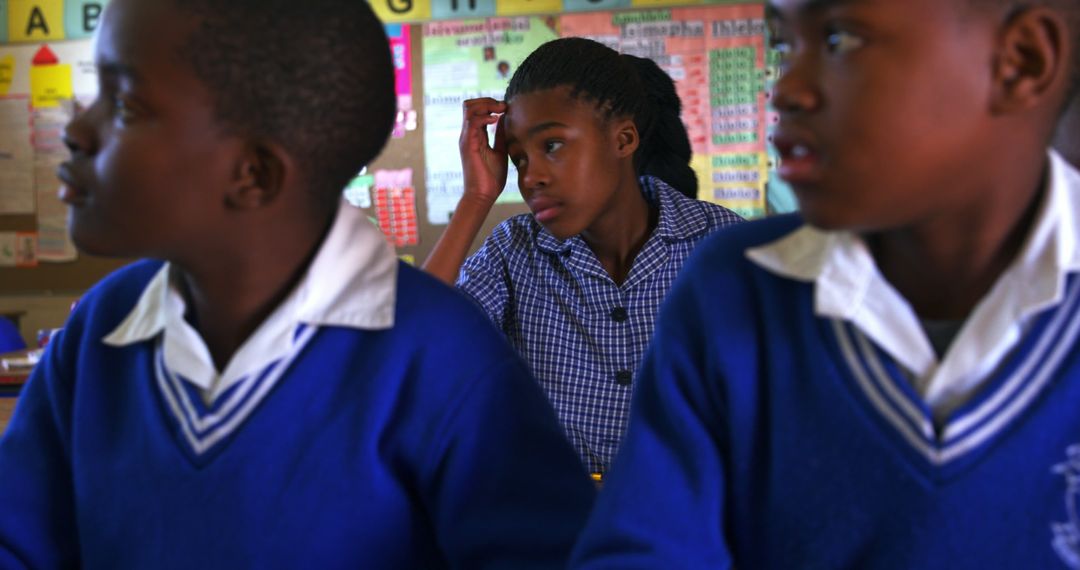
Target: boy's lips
(71, 191)
(800, 162)
(544, 209)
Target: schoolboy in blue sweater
(280, 392)
(892, 379)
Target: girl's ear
(1032, 60)
(626, 137)
(259, 177)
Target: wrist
(474, 197)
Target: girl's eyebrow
(543, 127)
(533, 130)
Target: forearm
(450, 251)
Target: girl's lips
(544, 209)
(547, 214)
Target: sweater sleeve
(504, 488)
(37, 517)
(662, 505)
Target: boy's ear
(1032, 60)
(259, 178)
(627, 138)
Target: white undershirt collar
(352, 282)
(848, 286)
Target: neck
(618, 235)
(231, 292)
(1067, 141)
(946, 264)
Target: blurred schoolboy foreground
(278, 391)
(892, 378)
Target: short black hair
(314, 76)
(620, 86)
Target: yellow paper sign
(35, 20)
(702, 166)
(7, 74)
(50, 84)
(522, 7)
(392, 11)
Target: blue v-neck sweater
(426, 445)
(764, 436)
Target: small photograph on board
(26, 249)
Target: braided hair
(620, 86)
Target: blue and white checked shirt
(583, 335)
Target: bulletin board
(46, 64)
(445, 51)
(405, 151)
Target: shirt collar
(676, 221)
(848, 286)
(351, 282)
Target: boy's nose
(78, 136)
(794, 91)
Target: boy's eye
(779, 45)
(122, 110)
(517, 161)
(552, 146)
(842, 42)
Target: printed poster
(16, 62)
(463, 60)
(16, 157)
(401, 51)
(53, 242)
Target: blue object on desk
(10, 339)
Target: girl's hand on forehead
(484, 165)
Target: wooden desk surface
(7, 406)
(7, 403)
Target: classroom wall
(39, 311)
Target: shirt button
(623, 377)
(618, 314)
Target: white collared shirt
(848, 286)
(352, 282)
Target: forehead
(528, 111)
(796, 9)
(141, 33)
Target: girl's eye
(842, 42)
(518, 161)
(552, 146)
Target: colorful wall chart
(38, 87)
(397, 11)
(716, 56)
